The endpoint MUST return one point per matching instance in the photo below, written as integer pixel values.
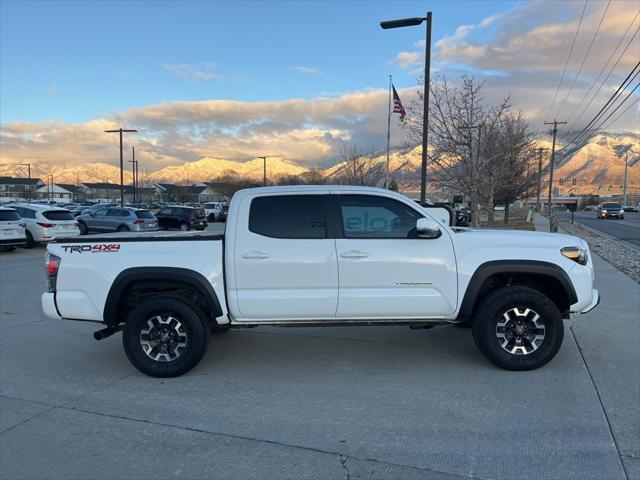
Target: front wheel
(184, 227)
(518, 328)
(164, 337)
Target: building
(19, 189)
(54, 193)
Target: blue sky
(298, 80)
(74, 61)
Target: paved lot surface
(627, 229)
(378, 402)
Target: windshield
(144, 214)
(58, 215)
(7, 215)
(611, 205)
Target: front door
(97, 220)
(285, 260)
(386, 271)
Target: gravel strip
(622, 257)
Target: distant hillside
(600, 162)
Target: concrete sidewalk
(609, 341)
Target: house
(76, 191)
(53, 192)
(18, 189)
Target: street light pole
(121, 131)
(409, 22)
(264, 177)
(134, 169)
(540, 150)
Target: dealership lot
(375, 402)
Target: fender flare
(536, 267)
(134, 274)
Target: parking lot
(368, 402)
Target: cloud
(407, 59)
(52, 90)
(201, 72)
(302, 69)
(306, 130)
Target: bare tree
(230, 182)
(468, 140)
(359, 166)
(313, 176)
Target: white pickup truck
(318, 256)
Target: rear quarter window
(58, 215)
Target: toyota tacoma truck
(320, 256)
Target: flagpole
(386, 181)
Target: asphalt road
(324, 403)
(627, 229)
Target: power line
(625, 110)
(575, 79)
(564, 70)
(605, 79)
(613, 98)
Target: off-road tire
(195, 327)
(492, 310)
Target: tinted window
(611, 205)
(58, 215)
(100, 212)
(165, 211)
(365, 216)
(118, 212)
(198, 212)
(144, 214)
(291, 216)
(26, 212)
(6, 215)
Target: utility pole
(264, 178)
(539, 150)
(552, 218)
(121, 131)
(134, 169)
(50, 188)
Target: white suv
(11, 229)
(44, 222)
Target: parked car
(463, 217)
(629, 208)
(182, 218)
(117, 219)
(499, 208)
(12, 233)
(141, 206)
(44, 223)
(610, 210)
(216, 211)
(317, 256)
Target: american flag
(397, 104)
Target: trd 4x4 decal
(98, 248)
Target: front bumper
(595, 301)
(48, 302)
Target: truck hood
(518, 238)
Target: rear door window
(289, 216)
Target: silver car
(117, 219)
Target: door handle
(255, 254)
(354, 254)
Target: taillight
(23, 225)
(46, 225)
(138, 222)
(76, 224)
(52, 264)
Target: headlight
(576, 254)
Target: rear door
(285, 259)
(385, 269)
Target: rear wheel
(83, 228)
(164, 337)
(518, 328)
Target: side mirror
(427, 228)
